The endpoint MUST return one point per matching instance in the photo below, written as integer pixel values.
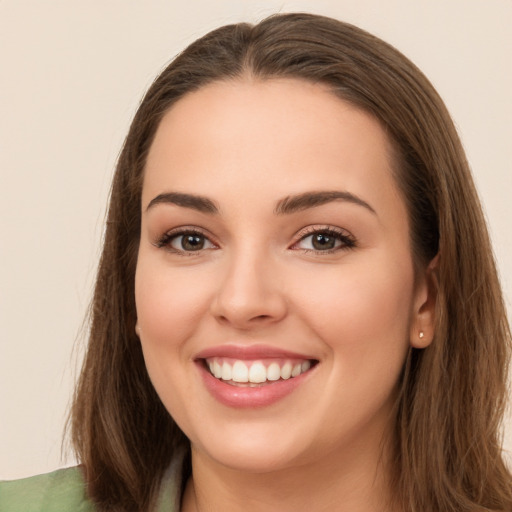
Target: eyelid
(348, 241)
(163, 241)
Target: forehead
(283, 135)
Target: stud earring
(421, 335)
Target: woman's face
(275, 249)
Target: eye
(185, 241)
(190, 242)
(325, 240)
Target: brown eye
(323, 241)
(320, 241)
(189, 242)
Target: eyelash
(347, 240)
(164, 242)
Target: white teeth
(306, 365)
(257, 372)
(296, 370)
(227, 371)
(273, 372)
(286, 371)
(240, 372)
(217, 370)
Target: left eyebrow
(199, 203)
(292, 204)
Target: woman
(297, 304)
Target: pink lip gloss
(252, 376)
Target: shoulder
(60, 491)
(64, 490)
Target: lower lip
(250, 397)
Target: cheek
(363, 322)
(169, 304)
(363, 315)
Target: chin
(253, 452)
(262, 460)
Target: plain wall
(71, 76)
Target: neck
(341, 482)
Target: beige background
(71, 75)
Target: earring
(421, 335)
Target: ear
(424, 306)
(137, 328)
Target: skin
(246, 145)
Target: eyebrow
(292, 204)
(199, 203)
(285, 206)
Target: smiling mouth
(256, 373)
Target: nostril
(247, 322)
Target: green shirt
(64, 491)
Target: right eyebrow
(199, 203)
(292, 204)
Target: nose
(250, 294)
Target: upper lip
(250, 352)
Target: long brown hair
(447, 443)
